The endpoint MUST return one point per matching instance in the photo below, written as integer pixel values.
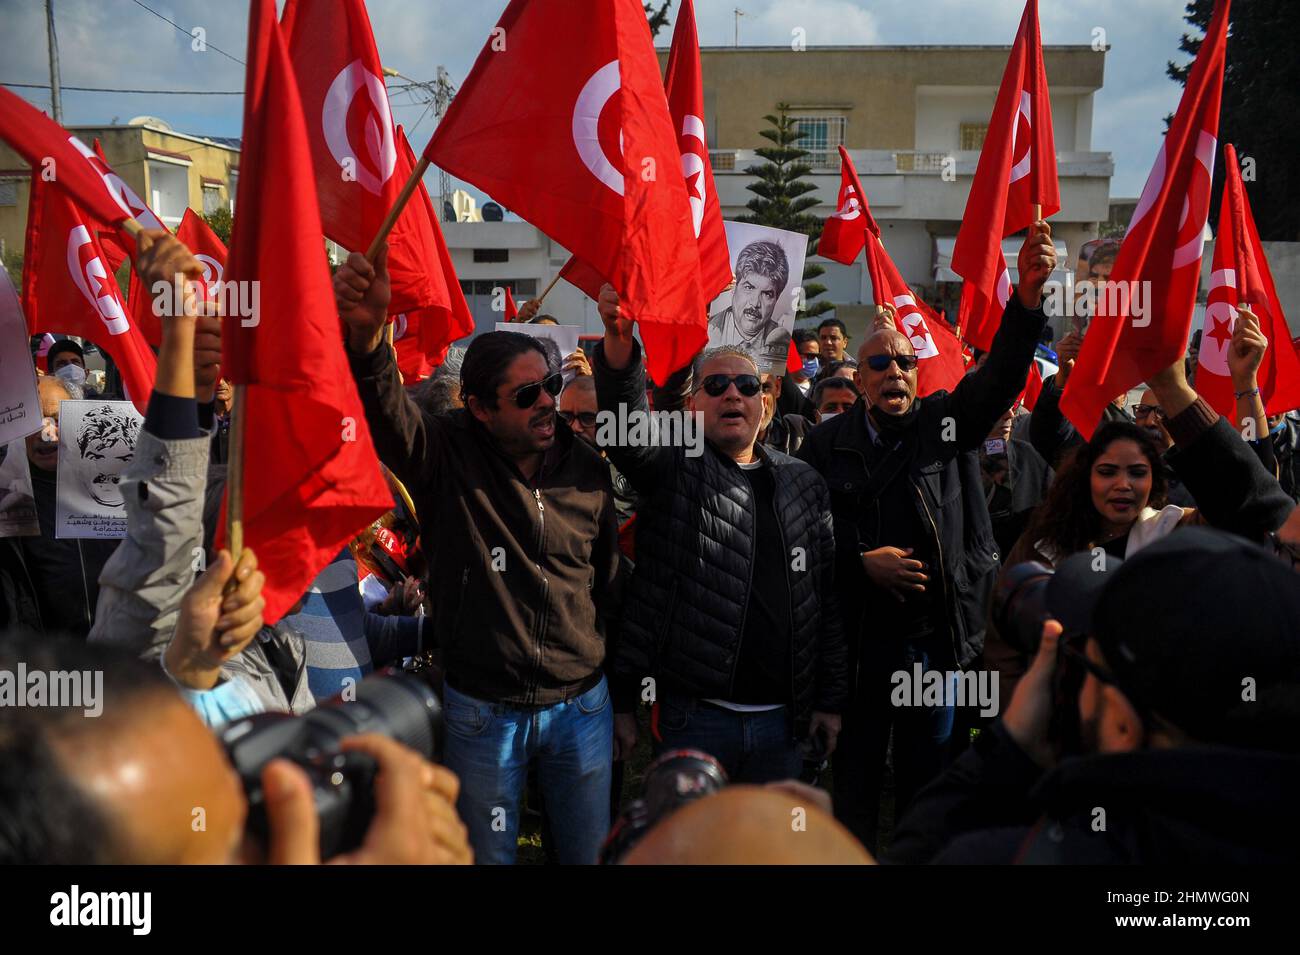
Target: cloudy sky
(121, 44)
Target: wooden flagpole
(235, 479)
(548, 288)
(391, 219)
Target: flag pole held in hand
(548, 288)
(391, 219)
(235, 480)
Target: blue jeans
(752, 747)
(489, 746)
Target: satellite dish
(492, 212)
(153, 121)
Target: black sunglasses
(1143, 410)
(717, 385)
(882, 362)
(527, 396)
(586, 418)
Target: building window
(233, 189)
(491, 255)
(169, 191)
(211, 199)
(972, 136)
(822, 137)
(9, 192)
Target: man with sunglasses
(1188, 742)
(915, 551)
(730, 610)
(578, 410)
(517, 521)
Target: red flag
(512, 311)
(311, 478)
(546, 143)
(850, 228)
(685, 90)
(1017, 169)
(419, 251)
(57, 156)
(412, 361)
(844, 231)
(207, 248)
(349, 124)
(1143, 328)
(67, 287)
(1240, 276)
(578, 273)
(793, 360)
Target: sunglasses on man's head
(586, 418)
(716, 385)
(526, 396)
(882, 362)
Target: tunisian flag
(198, 236)
(851, 228)
(1017, 169)
(1240, 276)
(685, 91)
(58, 157)
(585, 150)
(1145, 329)
(68, 287)
(349, 124)
(311, 478)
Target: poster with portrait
(560, 341)
(96, 442)
(757, 312)
(17, 501)
(20, 408)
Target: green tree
(13, 263)
(220, 222)
(658, 18)
(782, 200)
(1261, 97)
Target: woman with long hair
(1110, 493)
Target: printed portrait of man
(752, 320)
(106, 444)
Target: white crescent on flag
(595, 95)
(380, 148)
(91, 278)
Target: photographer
(1188, 722)
(146, 783)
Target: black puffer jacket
(685, 602)
(944, 471)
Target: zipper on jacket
(749, 587)
(952, 633)
(539, 634)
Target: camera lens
(393, 704)
(1020, 606)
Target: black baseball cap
(63, 345)
(1201, 628)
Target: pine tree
(782, 197)
(1261, 97)
(658, 18)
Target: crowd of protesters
(754, 598)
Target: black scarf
(893, 428)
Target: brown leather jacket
(522, 574)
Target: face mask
(73, 374)
(810, 367)
(829, 414)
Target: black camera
(393, 704)
(1020, 606)
(671, 781)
